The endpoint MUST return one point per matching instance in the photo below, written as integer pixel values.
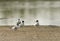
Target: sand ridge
(30, 33)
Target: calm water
(48, 13)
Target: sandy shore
(30, 33)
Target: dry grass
(30, 33)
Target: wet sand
(30, 33)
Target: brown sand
(30, 33)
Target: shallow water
(48, 13)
